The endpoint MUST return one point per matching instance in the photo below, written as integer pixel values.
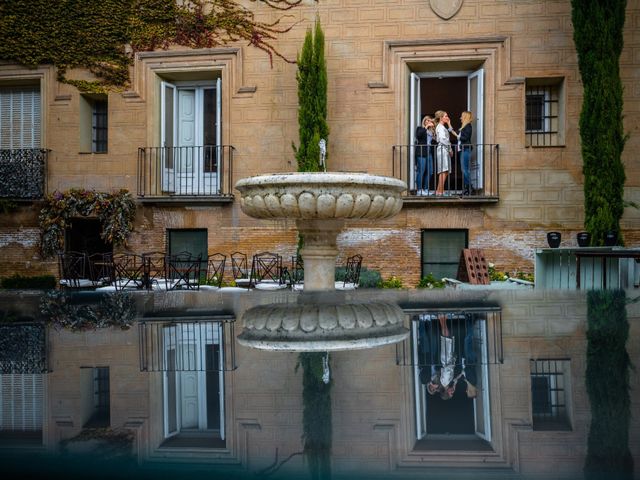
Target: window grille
(101, 392)
(99, 126)
(542, 117)
(550, 394)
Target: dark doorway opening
(449, 94)
(83, 235)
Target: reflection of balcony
(483, 173)
(23, 173)
(193, 173)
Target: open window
(550, 389)
(94, 123)
(190, 133)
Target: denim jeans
(466, 160)
(424, 165)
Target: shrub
(497, 275)
(38, 282)
(392, 282)
(429, 281)
(368, 278)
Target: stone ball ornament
(322, 327)
(321, 195)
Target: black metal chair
(215, 269)
(101, 269)
(266, 271)
(130, 272)
(296, 274)
(156, 268)
(240, 269)
(73, 271)
(352, 274)
(183, 271)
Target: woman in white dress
(444, 152)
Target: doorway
(453, 92)
(83, 235)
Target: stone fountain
(321, 203)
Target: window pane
(441, 252)
(100, 126)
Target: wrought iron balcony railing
(182, 172)
(23, 173)
(482, 173)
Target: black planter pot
(553, 239)
(611, 239)
(583, 239)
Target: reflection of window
(549, 394)
(543, 112)
(466, 415)
(21, 408)
(193, 385)
(97, 397)
(441, 252)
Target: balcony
(194, 174)
(23, 173)
(483, 172)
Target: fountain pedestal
(319, 252)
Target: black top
(464, 136)
(423, 138)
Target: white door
(168, 101)
(414, 122)
(186, 155)
(475, 104)
(482, 407)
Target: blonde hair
(424, 120)
(439, 114)
(467, 118)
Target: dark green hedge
(21, 282)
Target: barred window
(94, 123)
(543, 113)
(550, 394)
(99, 126)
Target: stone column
(319, 252)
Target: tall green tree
(312, 101)
(597, 35)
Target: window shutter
(20, 122)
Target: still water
(475, 384)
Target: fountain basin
(321, 195)
(322, 327)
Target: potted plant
(584, 239)
(553, 239)
(611, 238)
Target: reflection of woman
(443, 150)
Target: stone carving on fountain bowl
(321, 196)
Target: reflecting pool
(436, 383)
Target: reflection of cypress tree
(607, 380)
(316, 415)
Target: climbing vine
(116, 212)
(102, 36)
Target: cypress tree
(597, 35)
(312, 100)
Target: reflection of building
(188, 392)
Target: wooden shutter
(20, 122)
(21, 402)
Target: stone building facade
(512, 63)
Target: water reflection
(175, 392)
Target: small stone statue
(323, 154)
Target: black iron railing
(482, 174)
(23, 173)
(199, 171)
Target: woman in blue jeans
(464, 147)
(424, 157)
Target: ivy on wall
(116, 212)
(102, 36)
